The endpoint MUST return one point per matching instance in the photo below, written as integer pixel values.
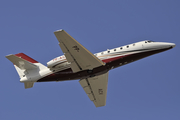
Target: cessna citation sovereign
(79, 63)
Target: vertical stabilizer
(19, 71)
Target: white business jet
(79, 63)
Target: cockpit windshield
(149, 41)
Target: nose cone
(172, 45)
(167, 45)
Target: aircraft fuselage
(112, 58)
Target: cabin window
(121, 48)
(127, 46)
(145, 41)
(133, 44)
(108, 51)
(114, 49)
(102, 53)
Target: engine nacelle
(59, 63)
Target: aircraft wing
(79, 57)
(96, 88)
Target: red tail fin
(25, 57)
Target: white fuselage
(60, 63)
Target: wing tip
(8, 55)
(59, 30)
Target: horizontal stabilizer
(28, 85)
(21, 63)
